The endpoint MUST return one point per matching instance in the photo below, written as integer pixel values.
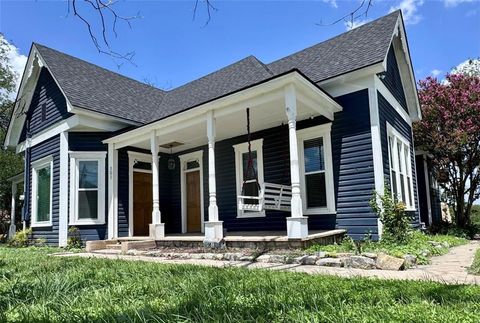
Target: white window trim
(75, 157)
(184, 159)
(37, 165)
(323, 131)
(132, 157)
(240, 149)
(392, 132)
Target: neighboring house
(116, 158)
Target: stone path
(448, 269)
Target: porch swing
(256, 196)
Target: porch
(258, 240)
(193, 166)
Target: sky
(171, 48)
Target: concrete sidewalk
(448, 269)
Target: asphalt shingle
(95, 88)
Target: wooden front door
(142, 203)
(194, 222)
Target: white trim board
(184, 159)
(63, 210)
(75, 157)
(36, 165)
(323, 131)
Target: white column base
(11, 231)
(213, 233)
(297, 227)
(157, 230)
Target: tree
(470, 67)
(450, 132)
(10, 163)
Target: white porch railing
(271, 197)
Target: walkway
(448, 269)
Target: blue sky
(172, 49)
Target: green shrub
(40, 242)
(22, 238)
(74, 240)
(453, 230)
(396, 222)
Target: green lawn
(38, 287)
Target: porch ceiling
(228, 125)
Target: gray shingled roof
(92, 87)
(357, 48)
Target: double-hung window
(87, 188)
(42, 180)
(401, 183)
(247, 176)
(316, 169)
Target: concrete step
(107, 251)
(116, 246)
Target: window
(87, 188)
(316, 170)
(401, 183)
(42, 175)
(246, 176)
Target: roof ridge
(211, 73)
(398, 11)
(100, 67)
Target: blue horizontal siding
(392, 79)
(90, 141)
(47, 94)
(50, 147)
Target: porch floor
(250, 239)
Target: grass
(475, 267)
(37, 287)
(419, 245)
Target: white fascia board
(380, 87)
(97, 115)
(68, 125)
(353, 76)
(225, 105)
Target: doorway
(192, 192)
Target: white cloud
(16, 61)
(454, 3)
(410, 11)
(436, 72)
(332, 3)
(349, 25)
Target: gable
(392, 79)
(47, 107)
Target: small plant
(396, 223)
(74, 240)
(22, 238)
(40, 242)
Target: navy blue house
(328, 126)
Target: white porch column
(297, 224)
(214, 227)
(13, 229)
(157, 228)
(112, 192)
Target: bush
(74, 240)
(22, 238)
(452, 229)
(396, 223)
